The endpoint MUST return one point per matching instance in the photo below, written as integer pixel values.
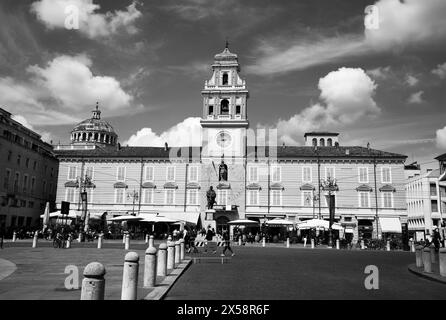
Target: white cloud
(63, 92)
(441, 138)
(380, 73)
(186, 133)
(440, 71)
(403, 24)
(46, 136)
(92, 24)
(416, 98)
(411, 81)
(346, 96)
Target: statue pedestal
(209, 219)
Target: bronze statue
(211, 195)
(223, 172)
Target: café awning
(391, 225)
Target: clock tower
(225, 120)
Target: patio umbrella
(279, 223)
(159, 219)
(46, 216)
(126, 218)
(244, 222)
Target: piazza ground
(254, 273)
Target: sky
(309, 65)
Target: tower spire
(227, 43)
(97, 112)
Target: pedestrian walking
(209, 237)
(227, 243)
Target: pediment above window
(193, 185)
(170, 185)
(307, 187)
(120, 185)
(72, 184)
(364, 188)
(148, 185)
(277, 186)
(223, 186)
(254, 186)
(387, 188)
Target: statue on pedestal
(223, 172)
(211, 195)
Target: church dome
(94, 131)
(226, 55)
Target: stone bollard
(100, 240)
(337, 244)
(150, 268)
(264, 242)
(151, 241)
(124, 236)
(419, 256)
(432, 253)
(362, 245)
(412, 246)
(169, 238)
(130, 276)
(239, 241)
(312, 243)
(147, 238)
(442, 261)
(182, 249)
(305, 242)
(36, 235)
(79, 237)
(93, 285)
(14, 237)
(170, 255)
(388, 245)
(177, 253)
(69, 242)
(287, 242)
(161, 266)
(427, 260)
(127, 242)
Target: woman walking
(227, 242)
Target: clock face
(224, 139)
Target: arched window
(336, 144)
(90, 136)
(329, 142)
(225, 80)
(84, 137)
(322, 142)
(224, 110)
(211, 110)
(95, 137)
(107, 139)
(314, 142)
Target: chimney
(368, 145)
(166, 147)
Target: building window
(211, 110)
(307, 198)
(44, 188)
(70, 195)
(22, 204)
(314, 142)
(72, 173)
(363, 175)
(276, 174)
(9, 155)
(89, 172)
(27, 163)
(224, 109)
(222, 197)
(434, 205)
(33, 184)
(170, 174)
(170, 197)
(364, 198)
(30, 204)
(276, 197)
(253, 174)
(253, 197)
(225, 80)
(120, 195)
(19, 159)
(16, 182)
(329, 142)
(322, 142)
(192, 197)
(307, 174)
(386, 175)
(35, 165)
(387, 200)
(148, 196)
(238, 110)
(433, 190)
(25, 183)
(6, 179)
(120, 174)
(193, 174)
(148, 175)
(330, 173)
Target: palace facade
(261, 182)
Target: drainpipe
(185, 187)
(376, 197)
(140, 186)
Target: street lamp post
(330, 186)
(135, 196)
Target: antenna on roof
(227, 43)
